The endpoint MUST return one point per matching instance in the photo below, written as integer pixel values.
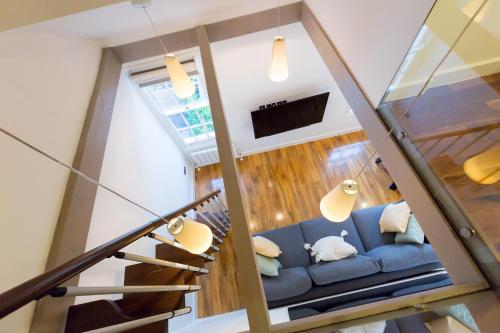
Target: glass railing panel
(446, 108)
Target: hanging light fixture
(182, 84)
(278, 70)
(484, 168)
(337, 204)
(194, 236)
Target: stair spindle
(87, 291)
(153, 261)
(213, 216)
(220, 214)
(206, 219)
(222, 207)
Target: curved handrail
(39, 286)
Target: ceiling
(121, 23)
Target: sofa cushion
(396, 257)
(363, 282)
(290, 241)
(422, 287)
(366, 222)
(302, 313)
(290, 282)
(356, 303)
(341, 270)
(315, 229)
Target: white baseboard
(299, 141)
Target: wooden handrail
(39, 286)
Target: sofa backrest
(367, 223)
(291, 243)
(320, 227)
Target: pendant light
(182, 84)
(337, 204)
(484, 168)
(194, 236)
(278, 69)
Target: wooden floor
(283, 187)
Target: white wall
(477, 53)
(242, 63)
(371, 36)
(141, 162)
(45, 86)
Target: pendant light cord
(278, 17)
(78, 172)
(155, 29)
(412, 104)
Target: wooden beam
(70, 236)
(185, 39)
(253, 293)
(448, 247)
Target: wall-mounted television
(289, 116)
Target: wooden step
(170, 253)
(103, 313)
(147, 304)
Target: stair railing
(49, 282)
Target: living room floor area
(284, 187)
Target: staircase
(153, 288)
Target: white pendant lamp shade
(195, 237)
(183, 86)
(484, 168)
(278, 70)
(337, 204)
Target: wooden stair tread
(172, 253)
(103, 313)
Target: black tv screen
(289, 116)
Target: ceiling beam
(14, 14)
(238, 26)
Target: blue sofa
(379, 261)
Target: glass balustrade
(445, 103)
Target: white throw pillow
(376, 327)
(395, 217)
(331, 248)
(265, 247)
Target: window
(191, 117)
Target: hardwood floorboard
(283, 187)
